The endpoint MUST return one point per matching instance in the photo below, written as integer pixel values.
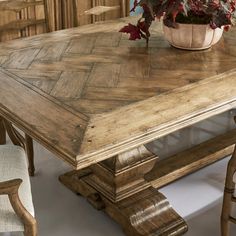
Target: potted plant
(187, 24)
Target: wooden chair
(17, 139)
(16, 206)
(229, 197)
(21, 18)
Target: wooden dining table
(95, 99)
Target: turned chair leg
(229, 197)
(30, 154)
(2, 132)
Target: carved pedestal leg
(118, 187)
(2, 132)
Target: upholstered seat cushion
(13, 164)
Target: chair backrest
(101, 11)
(21, 18)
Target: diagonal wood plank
(21, 59)
(52, 52)
(78, 46)
(70, 85)
(108, 40)
(64, 142)
(104, 75)
(40, 79)
(61, 66)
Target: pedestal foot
(118, 187)
(146, 213)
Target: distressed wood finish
(120, 184)
(145, 213)
(89, 94)
(190, 160)
(123, 175)
(118, 187)
(110, 84)
(20, 18)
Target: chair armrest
(11, 188)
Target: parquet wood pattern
(94, 72)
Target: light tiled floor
(59, 212)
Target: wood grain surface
(89, 93)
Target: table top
(89, 93)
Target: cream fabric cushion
(13, 164)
